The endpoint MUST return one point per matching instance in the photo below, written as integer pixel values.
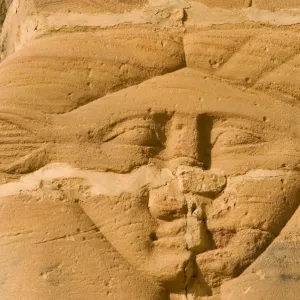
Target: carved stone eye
(237, 137)
(140, 136)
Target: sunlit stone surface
(149, 150)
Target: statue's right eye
(139, 136)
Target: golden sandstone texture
(149, 150)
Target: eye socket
(236, 137)
(140, 136)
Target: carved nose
(198, 181)
(183, 140)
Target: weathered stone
(149, 150)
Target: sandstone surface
(149, 150)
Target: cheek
(124, 220)
(265, 203)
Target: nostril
(153, 237)
(184, 161)
(194, 207)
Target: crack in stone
(16, 234)
(67, 237)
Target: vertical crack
(190, 276)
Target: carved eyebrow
(237, 122)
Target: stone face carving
(148, 162)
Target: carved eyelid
(126, 126)
(245, 137)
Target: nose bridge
(183, 140)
